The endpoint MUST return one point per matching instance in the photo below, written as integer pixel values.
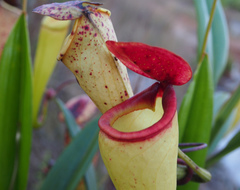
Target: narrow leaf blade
(199, 114)
(220, 40)
(75, 160)
(202, 21)
(185, 109)
(231, 146)
(25, 112)
(70, 121)
(90, 176)
(224, 113)
(236, 119)
(15, 108)
(219, 99)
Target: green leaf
(236, 119)
(202, 21)
(51, 37)
(222, 132)
(185, 109)
(224, 113)
(90, 176)
(232, 145)
(195, 114)
(219, 99)
(73, 127)
(220, 40)
(15, 108)
(75, 160)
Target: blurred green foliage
(235, 4)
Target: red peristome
(143, 100)
(152, 62)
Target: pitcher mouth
(144, 100)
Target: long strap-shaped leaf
(70, 121)
(202, 21)
(224, 113)
(74, 161)
(90, 176)
(15, 108)
(232, 145)
(220, 98)
(195, 114)
(220, 40)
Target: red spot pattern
(69, 17)
(86, 27)
(81, 56)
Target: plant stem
(202, 173)
(24, 6)
(196, 146)
(207, 31)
